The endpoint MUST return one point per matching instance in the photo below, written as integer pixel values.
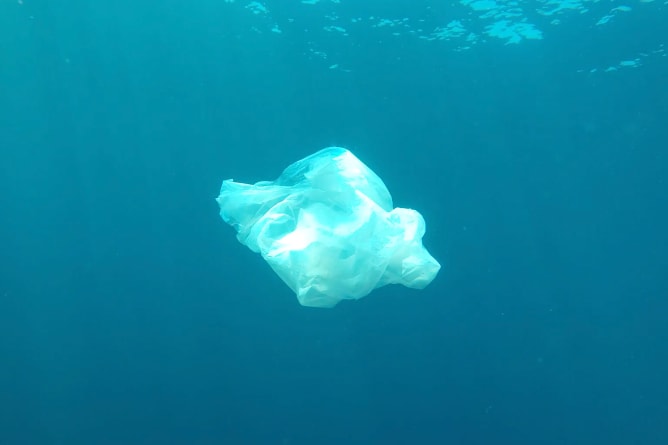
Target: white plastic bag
(328, 228)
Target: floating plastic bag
(327, 228)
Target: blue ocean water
(531, 135)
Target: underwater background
(531, 136)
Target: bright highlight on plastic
(328, 228)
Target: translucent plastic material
(328, 228)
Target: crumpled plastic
(328, 228)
